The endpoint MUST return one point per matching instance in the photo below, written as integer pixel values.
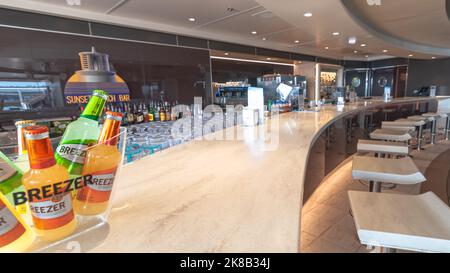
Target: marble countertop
(208, 195)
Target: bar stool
(407, 124)
(421, 118)
(416, 123)
(433, 117)
(397, 221)
(401, 171)
(387, 111)
(383, 148)
(447, 126)
(391, 135)
(368, 121)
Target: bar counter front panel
(236, 195)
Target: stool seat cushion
(391, 134)
(409, 125)
(383, 147)
(432, 115)
(397, 171)
(420, 118)
(411, 122)
(410, 222)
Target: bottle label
(6, 171)
(71, 154)
(100, 187)
(53, 212)
(10, 228)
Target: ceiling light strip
(249, 61)
(228, 16)
(116, 6)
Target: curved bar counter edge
(240, 189)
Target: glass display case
(16, 95)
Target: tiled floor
(327, 225)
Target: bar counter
(223, 196)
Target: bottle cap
(23, 122)
(40, 151)
(100, 93)
(117, 116)
(36, 132)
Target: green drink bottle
(10, 175)
(80, 134)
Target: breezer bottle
(15, 234)
(10, 175)
(101, 162)
(80, 134)
(52, 213)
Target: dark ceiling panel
(132, 34)
(231, 47)
(192, 42)
(273, 53)
(10, 17)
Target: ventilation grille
(94, 61)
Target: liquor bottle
(80, 134)
(124, 112)
(167, 110)
(101, 162)
(145, 112)
(151, 116)
(162, 113)
(139, 114)
(173, 114)
(156, 113)
(130, 117)
(53, 217)
(10, 175)
(15, 234)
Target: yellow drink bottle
(52, 214)
(22, 163)
(15, 234)
(101, 162)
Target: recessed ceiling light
(352, 40)
(192, 19)
(433, 57)
(296, 41)
(363, 45)
(385, 50)
(268, 59)
(73, 2)
(356, 51)
(254, 32)
(410, 55)
(226, 53)
(326, 47)
(307, 14)
(264, 38)
(336, 33)
(367, 56)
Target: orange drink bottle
(15, 234)
(101, 162)
(53, 217)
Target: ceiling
(398, 27)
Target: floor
(327, 226)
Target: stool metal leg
(447, 128)
(419, 138)
(433, 132)
(374, 186)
